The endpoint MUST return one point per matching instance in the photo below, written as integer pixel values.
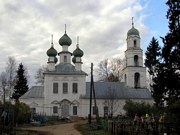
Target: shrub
(142, 108)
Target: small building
(66, 93)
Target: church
(66, 93)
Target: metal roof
(34, 92)
(65, 69)
(118, 90)
(103, 90)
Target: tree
(152, 56)
(152, 62)
(110, 69)
(3, 79)
(140, 108)
(171, 54)
(166, 72)
(11, 72)
(39, 75)
(21, 86)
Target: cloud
(26, 26)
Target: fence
(126, 126)
(6, 121)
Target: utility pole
(92, 91)
(90, 106)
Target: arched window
(136, 80)
(136, 61)
(135, 43)
(105, 111)
(65, 58)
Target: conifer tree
(171, 53)
(152, 62)
(152, 56)
(21, 86)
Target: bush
(142, 108)
(19, 112)
(172, 111)
(22, 113)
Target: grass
(86, 130)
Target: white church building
(66, 93)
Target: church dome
(133, 31)
(51, 52)
(74, 59)
(55, 60)
(78, 52)
(65, 40)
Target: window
(74, 110)
(65, 58)
(136, 63)
(65, 87)
(105, 111)
(136, 80)
(55, 88)
(94, 110)
(75, 87)
(55, 109)
(134, 43)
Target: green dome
(78, 52)
(74, 59)
(55, 60)
(133, 31)
(65, 40)
(51, 52)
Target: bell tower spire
(132, 22)
(52, 40)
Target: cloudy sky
(26, 27)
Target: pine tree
(152, 62)
(21, 86)
(152, 56)
(171, 53)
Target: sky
(26, 27)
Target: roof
(65, 40)
(102, 91)
(105, 90)
(34, 92)
(65, 69)
(133, 31)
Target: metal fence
(126, 126)
(6, 121)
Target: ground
(62, 129)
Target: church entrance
(65, 110)
(65, 107)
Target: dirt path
(62, 129)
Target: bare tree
(110, 69)
(111, 101)
(11, 73)
(3, 80)
(39, 75)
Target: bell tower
(134, 73)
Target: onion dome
(74, 59)
(78, 52)
(55, 60)
(133, 31)
(51, 52)
(65, 39)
